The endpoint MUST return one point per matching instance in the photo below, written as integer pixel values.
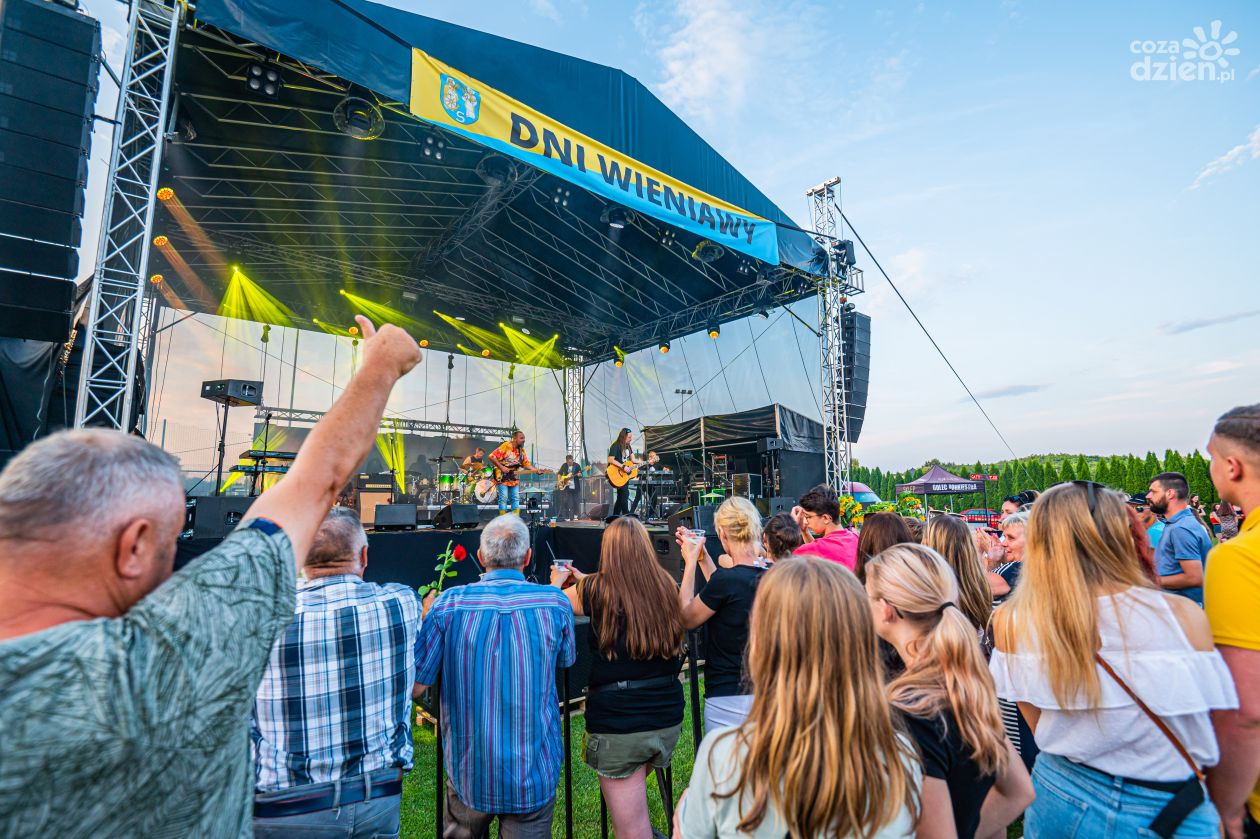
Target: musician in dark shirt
(567, 477)
(620, 454)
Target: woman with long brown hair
(634, 706)
(1116, 678)
(952, 539)
(879, 531)
(818, 755)
(974, 784)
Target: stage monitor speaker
(598, 513)
(694, 518)
(746, 485)
(215, 516)
(456, 517)
(769, 444)
(232, 392)
(856, 331)
(395, 517)
(780, 504)
(38, 308)
(668, 508)
(668, 553)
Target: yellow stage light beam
(247, 300)
(390, 443)
(493, 341)
(532, 351)
(192, 230)
(274, 439)
(332, 328)
(185, 271)
(380, 313)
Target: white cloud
(1254, 73)
(1231, 159)
(545, 8)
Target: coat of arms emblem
(460, 101)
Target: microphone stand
(260, 477)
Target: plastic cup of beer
(696, 536)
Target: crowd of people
(1085, 670)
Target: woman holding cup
(723, 604)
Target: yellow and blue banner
(443, 96)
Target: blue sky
(1083, 245)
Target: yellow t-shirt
(1231, 594)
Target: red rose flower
(459, 553)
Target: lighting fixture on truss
(496, 170)
(708, 252)
(664, 347)
(359, 118)
(715, 329)
(263, 80)
(616, 217)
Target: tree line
(1125, 472)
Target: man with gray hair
(125, 689)
(331, 731)
(497, 644)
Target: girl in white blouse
(1084, 642)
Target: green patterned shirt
(138, 726)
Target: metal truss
(118, 313)
(833, 290)
(574, 407)
(391, 424)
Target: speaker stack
(49, 64)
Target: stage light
(266, 336)
(485, 353)
(714, 330)
(433, 148)
(156, 279)
(618, 362)
(359, 118)
(496, 170)
(460, 318)
(524, 331)
(708, 252)
(424, 343)
(263, 80)
(848, 307)
(616, 217)
(664, 347)
(161, 241)
(354, 330)
(165, 193)
(763, 314)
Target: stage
(409, 556)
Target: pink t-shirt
(839, 546)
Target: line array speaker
(857, 368)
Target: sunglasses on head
(1092, 488)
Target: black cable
(935, 346)
(757, 351)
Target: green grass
(418, 804)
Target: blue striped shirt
(335, 700)
(497, 644)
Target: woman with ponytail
(819, 755)
(1116, 678)
(952, 539)
(974, 784)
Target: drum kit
(473, 485)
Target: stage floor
(409, 556)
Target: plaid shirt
(336, 698)
(497, 644)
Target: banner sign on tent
(443, 96)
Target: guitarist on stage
(510, 459)
(621, 456)
(567, 477)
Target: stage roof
(449, 209)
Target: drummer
(475, 461)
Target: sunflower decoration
(909, 505)
(850, 511)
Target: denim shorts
(1083, 803)
(619, 756)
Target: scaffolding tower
(842, 280)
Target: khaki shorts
(620, 755)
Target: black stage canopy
(795, 432)
(608, 232)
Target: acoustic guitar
(620, 474)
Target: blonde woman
(1084, 638)
(952, 539)
(818, 755)
(723, 605)
(974, 783)
(1004, 577)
